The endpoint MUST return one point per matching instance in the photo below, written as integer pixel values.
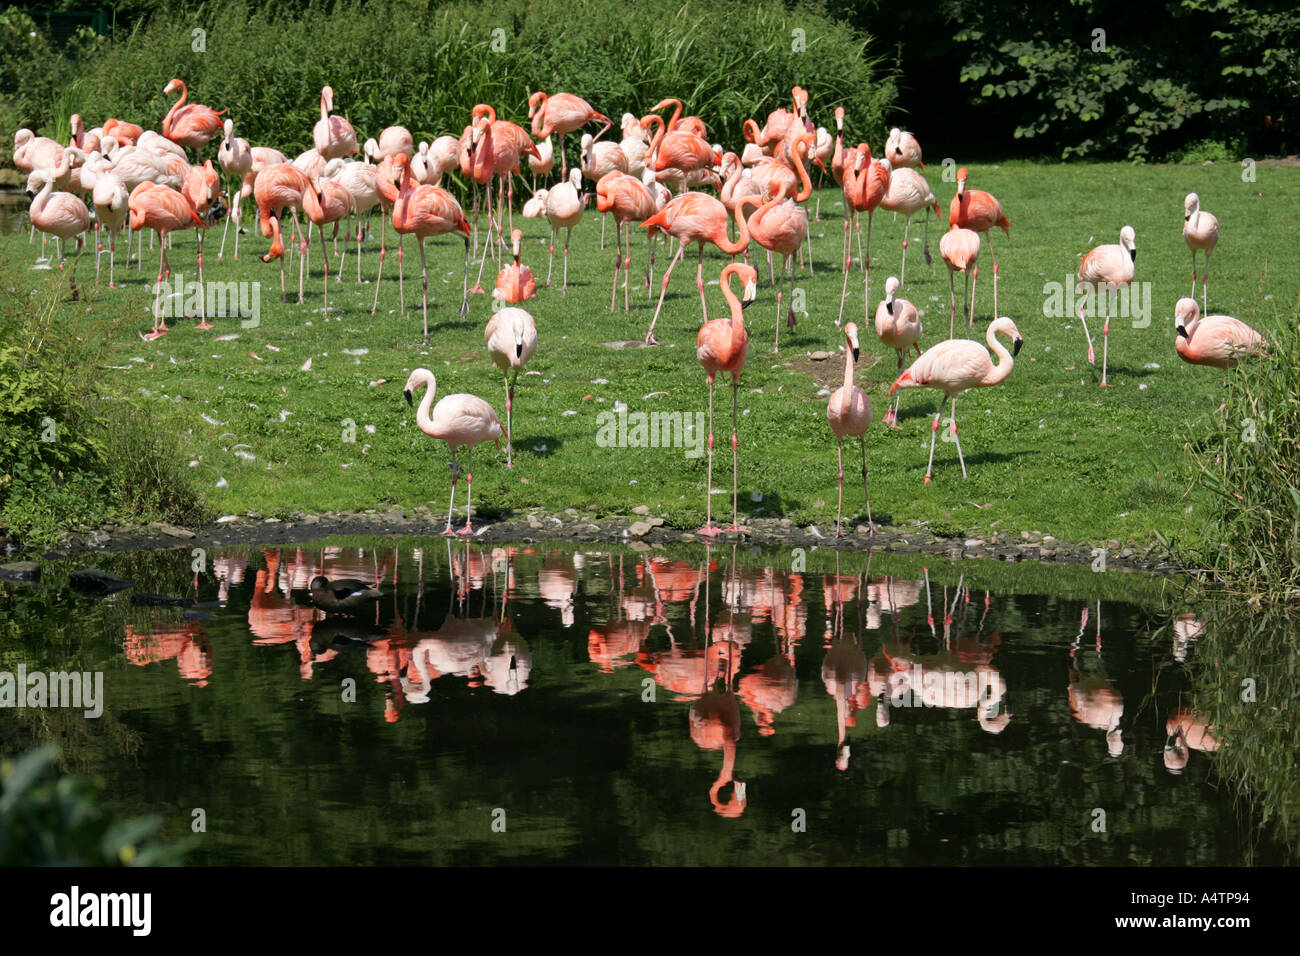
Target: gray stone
(641, 510)
(639, 528)
(20, 571)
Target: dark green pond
(528, 705)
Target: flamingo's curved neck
(43, 197)
(1005, 361)
(805, 184)
(742, 243)
(677, 112)
(737, 314)
(324, 111)
(422, 418)
(654, 142)
(848, 364)
(171, 113)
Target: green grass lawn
(1047, 450)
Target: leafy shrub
(424, 64)
(1250, 462)
(69, 457)
(47, 820)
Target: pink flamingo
(978, 211)
(908, 194)
(202, 188)
(515, 283)
(560, 114)
(956, 365)
(511, 336)
(694, 217)
(124, 133)
(459, 420)
(629, 200)
(866, 184)
(598, 160)
(902, 150)
(960, 249)
(849, 412)
(424, 211)
(110, 197)
(277, 188)
(1200, 231)
(495, 150)
(1105, 269)
(722, 346)
(236, 161)
(781, 226)
(899, 327)
(325, 202)
(562, 206)
(333, 136)
(163, 210)
(189, 125)
(677, 151)
(58, 214)
(360, 180)
(1216, 340)
(688, 124)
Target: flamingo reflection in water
(1094, 700)
(186, 642)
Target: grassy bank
(1048, 450)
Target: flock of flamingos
(478, 640)
(143, 179)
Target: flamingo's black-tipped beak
(889, 306)
(1015, 348)
(519, 350)
(1182, 330)
(410, 399)
(1133, 254)
(745, 304)
(857, 353)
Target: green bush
(425, 64)
(48, 820)
(1248, 456)
(69, 456)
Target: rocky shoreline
(638, 530)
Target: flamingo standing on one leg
(1217, 340)
(511, 336)
(598, 160)
(277, 188)
(960, 249)
(428, 211)
(559, 114)
(325, 202)
(202, 187)
(515, 283)
(781, 226)
(849, 412)
(163, 210)
(722, 346)
(956, 365)
(977, 210)
(899, 327)
(695, 217)
(459, 420)
(1200, 231)
(58, 214)
(629, 199)
(1105, 269)
(909, 193)
(189, 125)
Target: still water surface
(535, 706)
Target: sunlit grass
(1048, 450)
